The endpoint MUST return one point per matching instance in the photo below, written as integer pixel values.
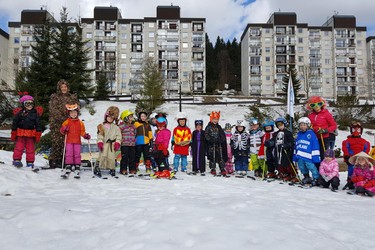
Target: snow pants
(306, 166)
(241, 163)
(22, 143)
(176, 161)
(73, 154)
(127, 159)
(334, 182)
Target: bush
(91, 109)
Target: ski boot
(315, 183)
(306, 180)
(30, 165)
(97, 172)
(271, 175)
(17, 163)
(112, 172)
(175, 169)
(124, 172)
(76, 171)
(183, 169)
(223, 172)
(213, 171)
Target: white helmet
(153, 115)
(241, 123)
(181, 115)
(305, 120)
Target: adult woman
(322, 122)
(57, 115)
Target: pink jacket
(229, 149)
(330, 169)
(162, 138)
(323, 120)
(362, 175)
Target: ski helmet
(124, 115)
(281, 119)
(315, 101)
(268, 122)
(228, 126)
(353, 128)
(161, 122)
(253, 121)
(305, 120)
(198, 122)
(214, 115)
(241, 123)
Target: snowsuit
(161, 145)
(352, 146)
(265, 152)
(26, 131)
(282, 152)
(76, 129)
(322, 120)
(143, 141)
(217, 146)
(240, 145)
(364, 177)
(127, 163)
(57, 115)
(255, 142)
(329, 174)
(108, 134)
(198, 149)
(306, 152)
(229, 163)
(181, 136)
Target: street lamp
(180, 96)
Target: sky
(224, 18)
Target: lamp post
(180, 97)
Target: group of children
(273, 154)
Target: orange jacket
(75, 131)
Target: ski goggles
(198, 122)
(28, 103)
(316, 104)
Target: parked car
(85, 154)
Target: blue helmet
(268, 122)
(281, 119)
(161, 121)
(253, 121)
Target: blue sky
(225, 18)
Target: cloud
(224, 18)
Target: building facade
(120, 47)
(370, 43)
(4, 40)
(331, 59)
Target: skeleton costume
(240, 145)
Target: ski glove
(346, 159)
(87, 136)
(100, 146)
(37, 136)
(13, 135)
(322, 131)
(117, 146)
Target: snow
(41, 211)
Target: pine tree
(211, 70)
(153, 83)
(102, 89)
(296, 83)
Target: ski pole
(92, 166)
(321, 138)
(292, 165)
(63, 158)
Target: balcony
(25, 53)
(110, 58)
(109, 48)
(168, 47)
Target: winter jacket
(108, 134)
(181, 135)
(322, 120)
(255, 140)
(228, 136)
(26, 123)
(162, 139)
(216, 143)
(353, 145)
(364, 177)
(330, 169)
(128, 132)
(307, 147)
(262, 149)
(143, 133)
(240, 143)
(76, 129)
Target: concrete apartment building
(370, 43)
(120, 46)
(4, 40)
(331, 59)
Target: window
(255, 60)
(267, 40)
(268, 49)
(185, 25)
(359, 42)
(151, 25)
(151, 44)
(123, 75)
(123, 56)
(300, 40)
(185, 35)
(185, 45)
(123, 46)
(268, 78)
(123, 36)
(327, 61)
(123, 26)
(123, 65)
(268, 59)
(151, 54)
(300, 49)
(89, 35)
(16, 40)
(151, 34)
(326, 33)
(268, 69)
(267, 31)
(300, 59)
(184, 55)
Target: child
(282, 152)
(128, 132)
(255, 141)
(329, 171)
(109, 141)
(241, 148)
(73, 128)
(143, 141)
(265, 152)
(198, 148)
(306, 152)
(160, 152)
(26, 131)
(181, 143)
(352, 146)
(364, 174)
(228, 136)
(216, 144)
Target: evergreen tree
(153, 83)
(296, 83)
(102, 89)
(211, 70)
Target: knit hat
(329, 153)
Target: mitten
(87, 136)
(100, 146)
(13, 135)
(322, 131)
(346, 159)
(117, 146)
(37, 136)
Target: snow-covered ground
(41, 211)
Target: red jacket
(354, 145)
(322, 120)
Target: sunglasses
(27, 104)
(317, 104)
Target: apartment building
(4, 39)
(120, 47)
(330, 59)
(370, 43)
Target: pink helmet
(26, 98)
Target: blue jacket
(307, 147)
